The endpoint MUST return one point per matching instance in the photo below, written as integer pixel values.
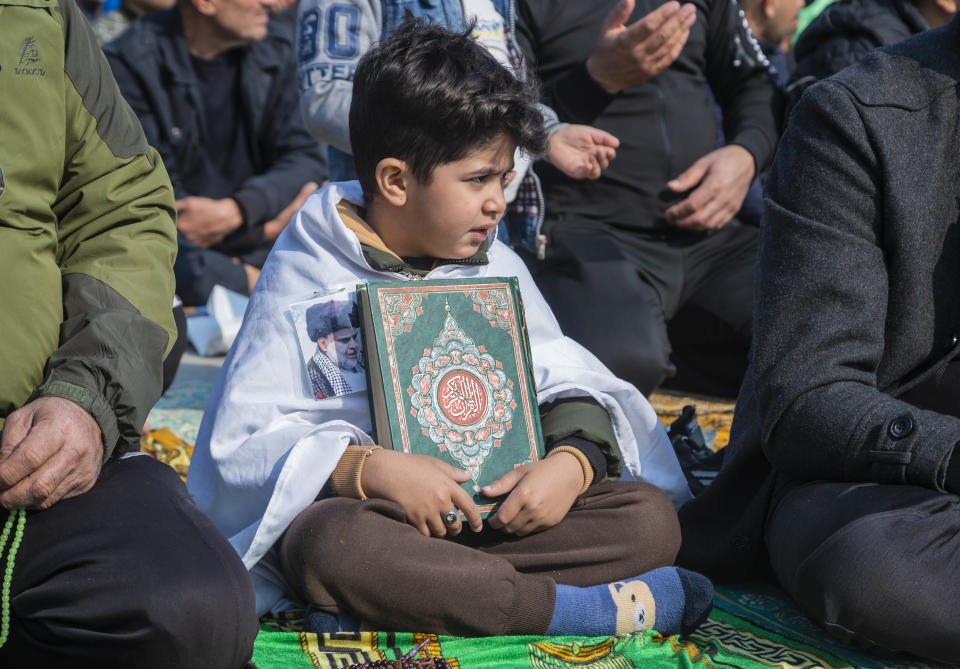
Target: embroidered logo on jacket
(30, 59)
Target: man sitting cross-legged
(843, 472)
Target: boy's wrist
(585, 465)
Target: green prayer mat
(751, 626)
(290, 650)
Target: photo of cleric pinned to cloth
(328, 329)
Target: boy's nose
(495, 203)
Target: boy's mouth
(482, 230)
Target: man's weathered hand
(51, 450)
(720, 181)
(581, 151)
(630, 55)
(205, 221)
(273, 227)
(424, 486)
(540, 494)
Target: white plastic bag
(213, 329)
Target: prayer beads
(20, 517)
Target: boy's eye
(504, 178)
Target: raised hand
(630, 55)
(581, 151)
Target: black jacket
(152, 66)
(665, 124)
(845, 32)
(857, 303)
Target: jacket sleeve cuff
(582, 421)
(589, 454)
(253, 206)
(346, 475)
(758, 144)
(91, 402)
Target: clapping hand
(581, 151)
(630, 55)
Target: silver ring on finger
(451, 516)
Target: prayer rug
(642, 649)
(167, 447)
(750, 627)
(714, 414)
(181, 409)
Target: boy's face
(452, 215)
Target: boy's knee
(647, 523)
(330, 525)
(326, 540)
(657, 523)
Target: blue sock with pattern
(670, 600)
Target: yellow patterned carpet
(714, 415)
(167, 447)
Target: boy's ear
(391, 176)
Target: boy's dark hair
(427, 96)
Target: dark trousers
(874, 564)
(129, 574)
(199, 269)
(363, 557)
(651, 306)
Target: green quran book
(449, 374)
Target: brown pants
(363, 557)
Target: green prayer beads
(20, 517)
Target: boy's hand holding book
(538, 494)
(426, 488)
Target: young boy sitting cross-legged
(324, 518)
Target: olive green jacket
(87, 233)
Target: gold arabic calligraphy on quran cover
(450, 375)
